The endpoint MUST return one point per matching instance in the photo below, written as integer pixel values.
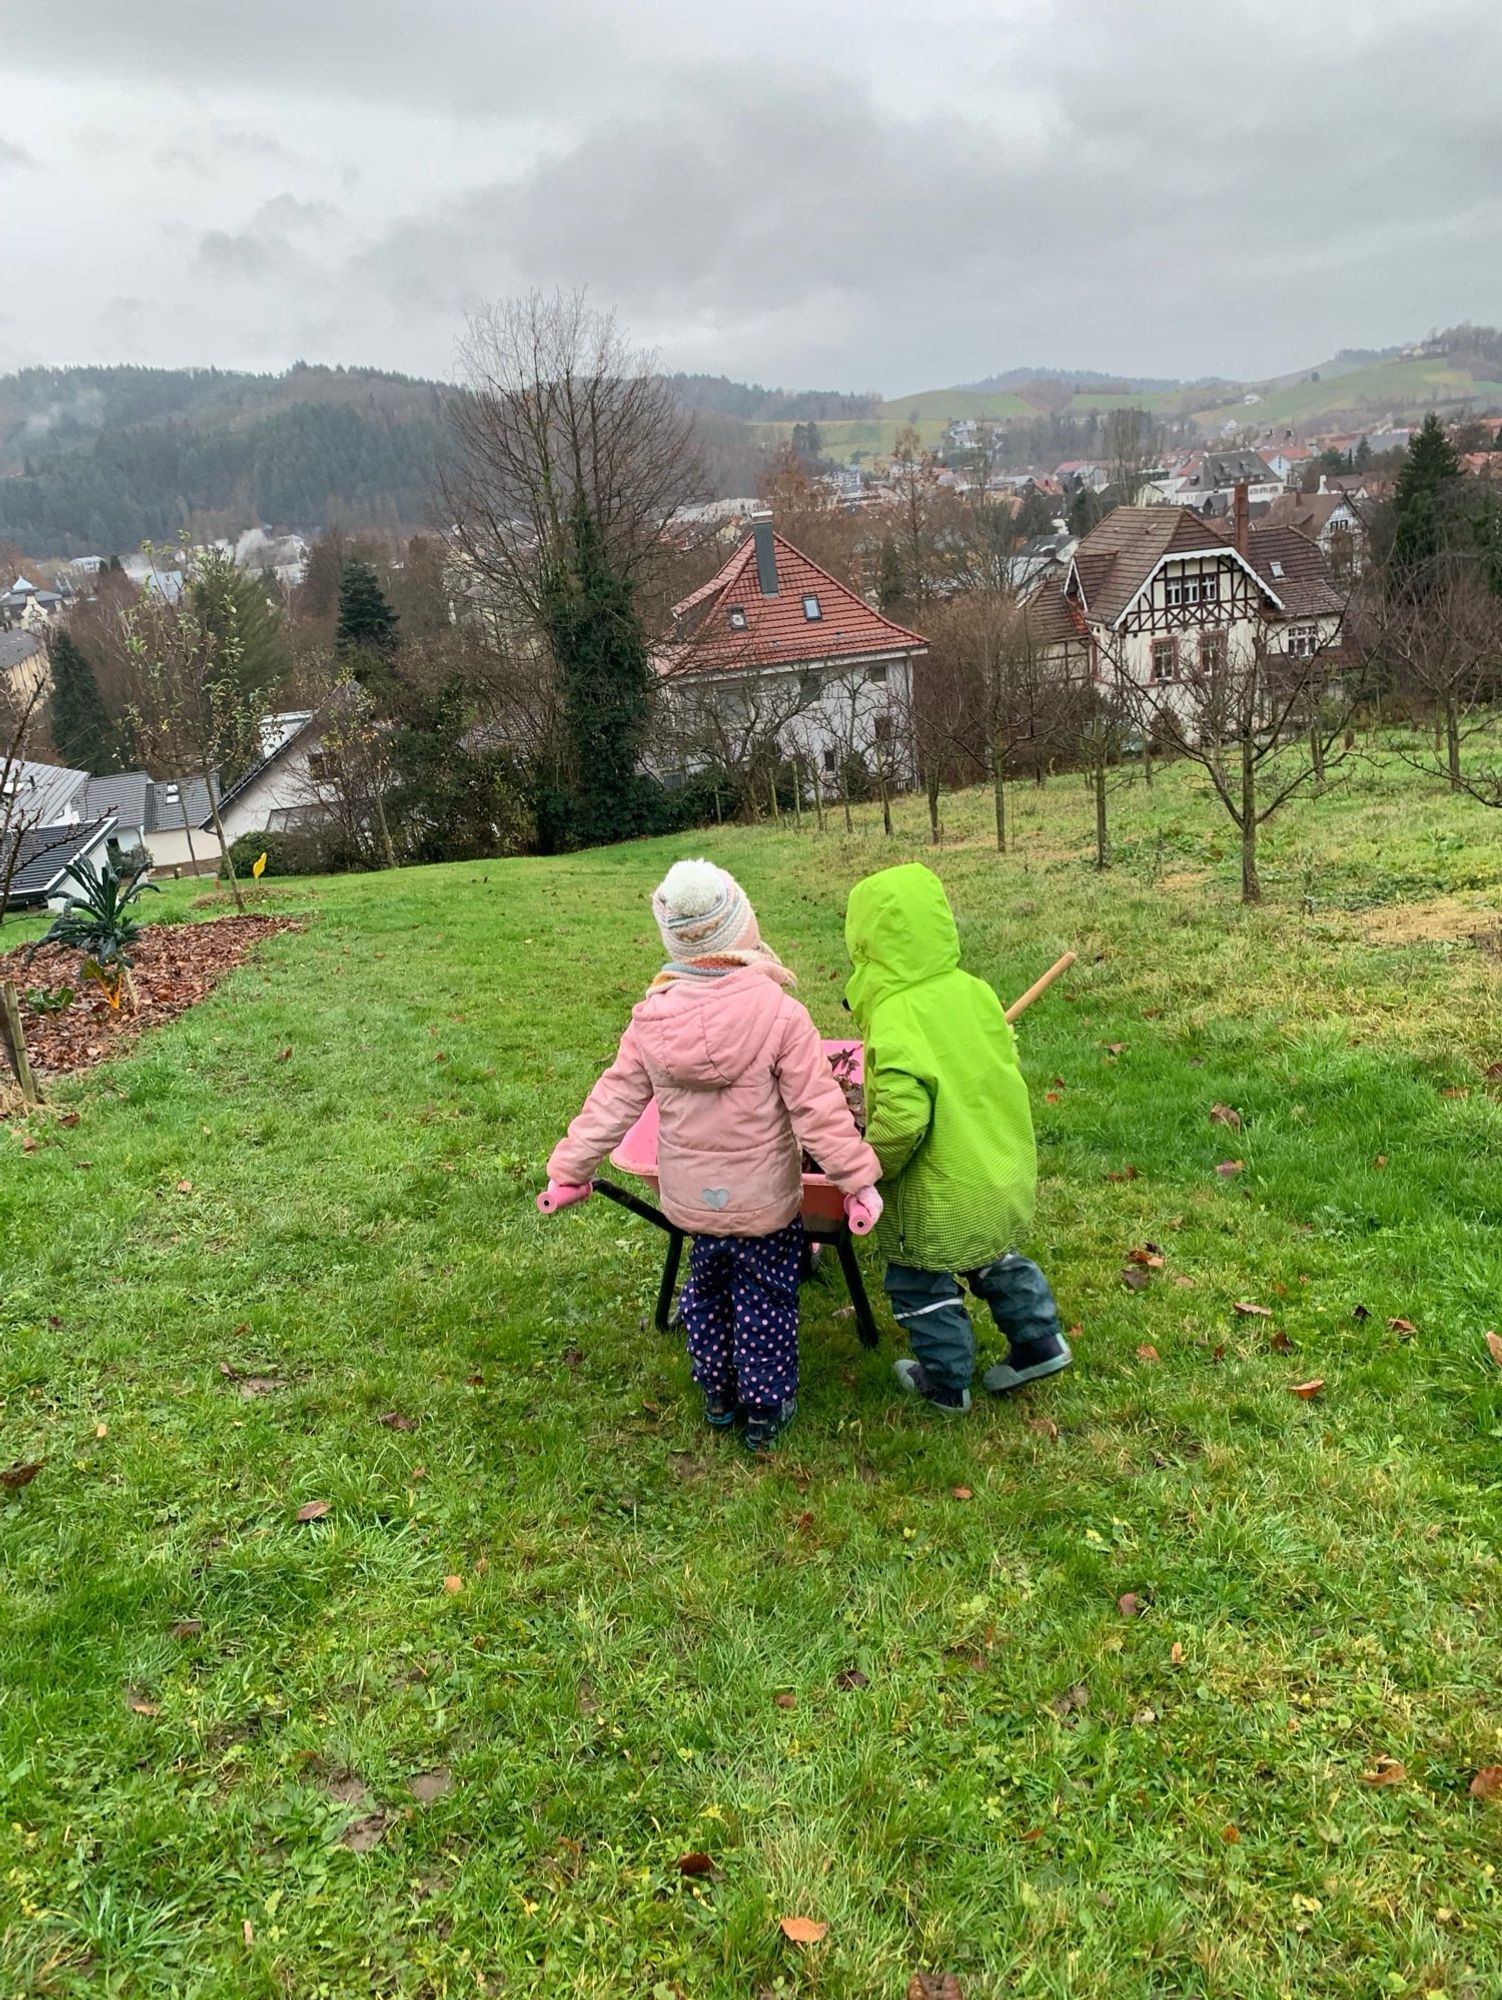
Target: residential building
(1157, 595)
(1212, 479)
(43, 857)
(773, 647)
(23, 665)
(29, 605)
(43, 794)
(1330, 519)
(171, 819)
(290, 787)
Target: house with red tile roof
(1163, 595)
(775, 649)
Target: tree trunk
(818, 794)
(772, 793)
(1317, 751)
(845, 798)
(798, 793)
(931, 786)
(229, 863)
(1452, 741)
(884, 792)
(13, 1040)
(1251, 882)
(999, 788)
(1102, 835)
(1147, 755)
(387, 850)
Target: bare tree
(558, 415)
(1131, 440)
(188, 713)
(1242, 713)
(1442, 648)
(22, 805)
(736, 728)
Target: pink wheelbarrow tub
(823, 1212)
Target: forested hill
(96, 460)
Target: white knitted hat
(703, 912)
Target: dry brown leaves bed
(176, 966)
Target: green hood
(899, 931)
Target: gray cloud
(14, 156)
(804, 193)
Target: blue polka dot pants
(740, 1309)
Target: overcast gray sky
(833, 193)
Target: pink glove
(863, 1211)
(558, 1194)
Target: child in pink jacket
(741, 1082)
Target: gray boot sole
(1002, 1378)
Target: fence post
(13, 1040)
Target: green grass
(943, 405)
(1320, 1577)
(842, 438)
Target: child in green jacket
(948, 1116)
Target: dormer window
(737, 618)
(812, 609)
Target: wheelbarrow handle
(1040, 986)
(625, 1199)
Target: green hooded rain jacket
(947, 1110)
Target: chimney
(1242, 516)
(766, 551)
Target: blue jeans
(930, 1307)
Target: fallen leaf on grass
(284, 1055)
(1130, 1605)
(1114, 1049)
(1218, 1353)
(1487, 1783)
(1145, 1717)
(1401, 1326)
(1134, 1277)
(1147, 1352)
(1045, 1427)
(28, 1144)
(1229, 1167)
(1309, 1389)
(695, 1864)
(1456, 1090)
(314, 1510)
(1149, 1256)
(1176, 1654)
(851, 1677)
(430, 1785)
(1280, 1343)
(68, 1119)
(934, 1986)
(1249, 1311)
(960, 1493)
(802, 1930)
(1231, 1835)
(786, 1700)
(19, 1474)
(453, 1585)
(139, 1705)
(1127, 1173)
(1187, 1284)
(185, 1628)
(185, 1187)
(363, 1834)
(1386, 1771)
(1223, 1114)
(1494, 1346)
(1380, 1160)
(395, 1421)
(1076, 1697)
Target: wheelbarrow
(823, 1212)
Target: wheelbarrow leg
(666, 1317)
(865, 1323)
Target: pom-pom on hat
(703, 912)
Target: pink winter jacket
(741, 1080)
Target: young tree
(189, 711)
(81, 730)
(1439, 639)
(1131, 447)
(21, 807)
(1231, 713)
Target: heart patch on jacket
(714, 1197)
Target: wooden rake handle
(1040, 986)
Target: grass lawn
(600, 1638)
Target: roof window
(812, 608)
(737, 618)
(1277, 567)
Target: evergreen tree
(889, 592)
(226, 597)
(1423, 508)
(597, 641)
(367, 624)
(1086, 510)
(82, 733)
(1035, 516)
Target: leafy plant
(100, 924)
(50, 999)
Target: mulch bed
(176, 966)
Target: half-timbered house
(1159, 595)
